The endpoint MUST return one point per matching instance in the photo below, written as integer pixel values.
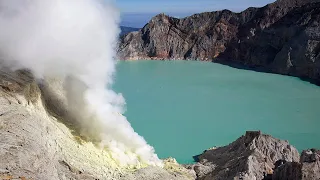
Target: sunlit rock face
(281, 37)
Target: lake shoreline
(217, 96)
(233, 65)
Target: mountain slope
(37, 141)
(258, 38)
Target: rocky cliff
(257, 156)
(308, 168)
(252, 156)
(282, 37)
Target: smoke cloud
(76, 40)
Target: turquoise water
(184, 107)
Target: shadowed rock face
(307, 169)
(310, 160)
(282, 37)
(290, 170)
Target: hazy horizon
(138, 13)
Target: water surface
(184, 107)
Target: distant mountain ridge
(282, 37)
(125, 30)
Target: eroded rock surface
(252, 156)
(282, 37)
(307, 169)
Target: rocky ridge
(282, 37)
(257, 156)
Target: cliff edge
(282, 37)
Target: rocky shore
(36, 143)
(282, 37)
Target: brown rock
(282, 37)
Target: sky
(136, 13)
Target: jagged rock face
(307, 169)
(200, 36)
(310, 160)
(289, 46)
(250, 157)
(282, 37)
(290, 170)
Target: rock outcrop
(307, 169)
(257, 156)
(252, 156)
(282, 37)
(289, 170)
(310, 160)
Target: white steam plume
(75, 39)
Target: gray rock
(282, 37)
(310, 156)
(250, 157)
(288, 171)
(310, 160)
(307, 169)
(154, 173)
